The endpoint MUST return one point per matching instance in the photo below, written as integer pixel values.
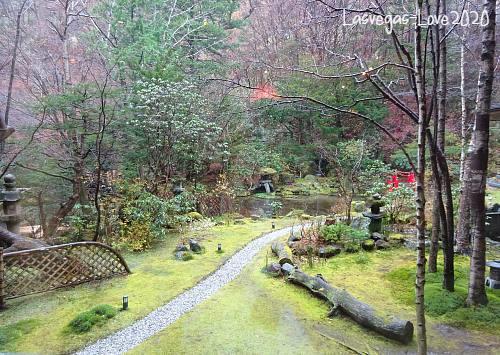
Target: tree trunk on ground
(479, 160)
(279, 249)
(420, 193)
(14, 242)
(361, 313)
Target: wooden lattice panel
(45, 269)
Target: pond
(312, 205)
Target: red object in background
(265, 91)
(395, 181)
(411, 178)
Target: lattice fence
(39, 270)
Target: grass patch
(156, 278)
(448, 307)
(10, 334)
(98, 315)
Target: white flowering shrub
(176, 127)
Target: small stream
(312, 205)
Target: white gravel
(127, 338)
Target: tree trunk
(279, 249)
(463, 227)
(479, 160)
(420, 193)
(363, 314)
(436, 220)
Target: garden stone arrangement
(162, 317)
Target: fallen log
(15, 242)
(279, 249)
(362, 313)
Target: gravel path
(127, 338)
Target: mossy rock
(310, 178)
(183, 255)
(85, 321)
(267, 171)
(239, 221)
(329, 251)
(368, 245)
(306, 217)
(195, 216)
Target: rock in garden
(183, 255)
(239, 221)
(274, 268)
(181, 247)
(194, 246)
(368, 244)
(255, 217)
(361, 223)
(329, 251)
(382, 244)
(378, 236)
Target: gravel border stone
(131, 336)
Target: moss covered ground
(258, 314)
(37, 324)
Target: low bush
(98, 315)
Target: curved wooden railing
(44, 269)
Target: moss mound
(11, 333)
(448, 306)
(98, 315)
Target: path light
(273, 225)
(125, 303)
(219, 247)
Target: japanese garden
(249, 177)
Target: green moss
(10, 334)
(447, 306)
(98, 315)
(156, 278)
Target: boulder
(195, 246)
(361, 223)
(181, 247)
(368, 244)
(274, 268)
(183, 255)
(255, 217)
(329, 251)
(378, 236)
(382, 244)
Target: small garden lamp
(125, 303)
(273, 224)
(219, 247)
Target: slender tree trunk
(479, 159)
(448, 231)
(13, 62)
(420, 193)
(436, 230)
(463, 227)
